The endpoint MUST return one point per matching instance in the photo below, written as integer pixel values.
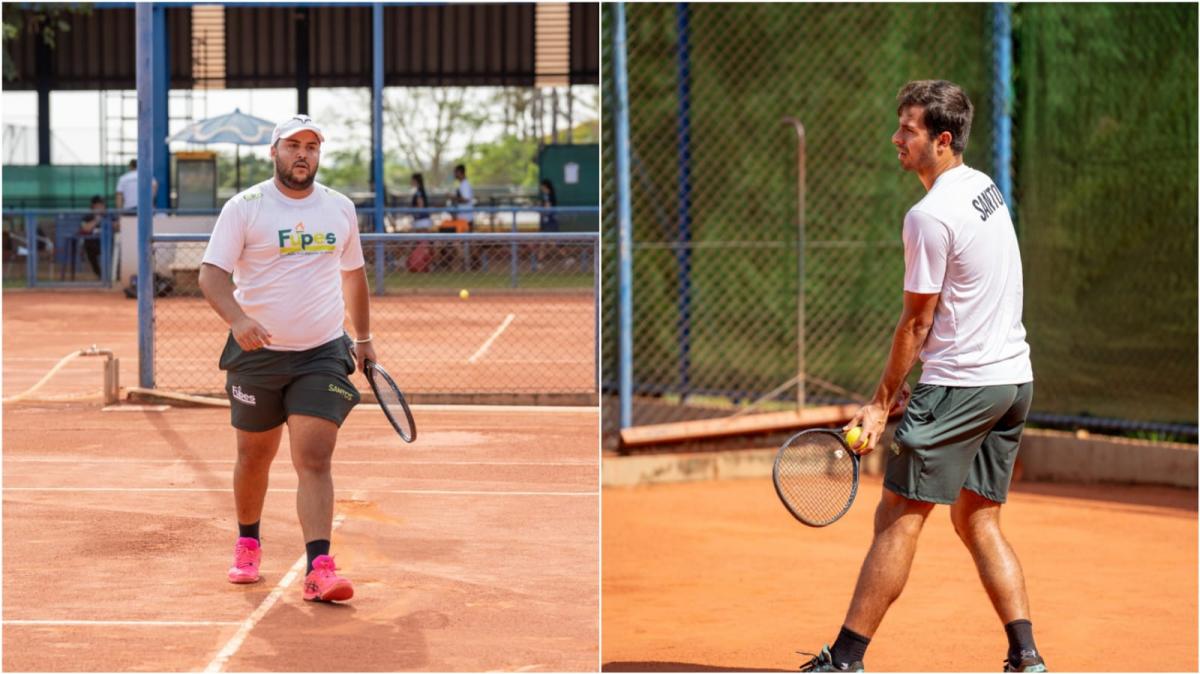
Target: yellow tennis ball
(464, 294)
(853, 436)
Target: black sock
(1020, 638)
(316, 549)
(849, 648)
(249, 530)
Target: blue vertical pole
(513, 255)
(624, 227)
(683, 253)
(377, 137)
(145, 211)
(31, 250)
(106, 238)
(1002, 101)
(595, 250)
(162, 86)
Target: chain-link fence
(69, 248)
(717, 238)
(1107, 207)
(462, 317)
(735, 304)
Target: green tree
(46, 19)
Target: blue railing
(67, 244)
(498, 219)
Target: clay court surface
(473, 549)
(494, 342)
(709, 576)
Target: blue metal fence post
(162, 88)
(513, 255)
(145, 211)
(624, 227)
(377, 138)
(1002, 102)
(31, 250)
(106, 236)
(683, 252)
(595, 252)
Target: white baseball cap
(294, 125)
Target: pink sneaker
(322, 584)
(247, 555)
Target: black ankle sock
(249, 530)
(1020, 638)
(316, 549)
(849, 648)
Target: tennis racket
(816, 476)
(391, 400)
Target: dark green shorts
(265, 387)
(953, 438)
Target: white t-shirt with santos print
(286, 256)
(959, 241)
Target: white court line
(130, 623)
(528, 409)
(363, 462)
(235, 642)
(488, 344)
(414, 492)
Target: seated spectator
(89, 230)
(421, 221)
(548, 200)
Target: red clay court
(708, 576)
(473, 549)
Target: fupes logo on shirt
(298, 240)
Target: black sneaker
(1029, 661)
(823, 662)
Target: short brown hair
(947, 108)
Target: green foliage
(506, 161)
(46, 19)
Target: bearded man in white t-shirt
(292, 248)
(958, 440)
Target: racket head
(391, 400)
(816, 476)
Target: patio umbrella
(236, 128)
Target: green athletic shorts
(265, 387)
(953, 438)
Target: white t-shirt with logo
(959, 241)
(286, 256)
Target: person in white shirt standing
(127, 188)
(292, 247)
(127, 201)
(465, 195)
(958, 440)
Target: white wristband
(363, 341)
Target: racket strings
(816, 479)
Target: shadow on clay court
(676, 667)
(1176, 498)
(313, 638)
(179, 444)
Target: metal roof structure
(312, 45)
